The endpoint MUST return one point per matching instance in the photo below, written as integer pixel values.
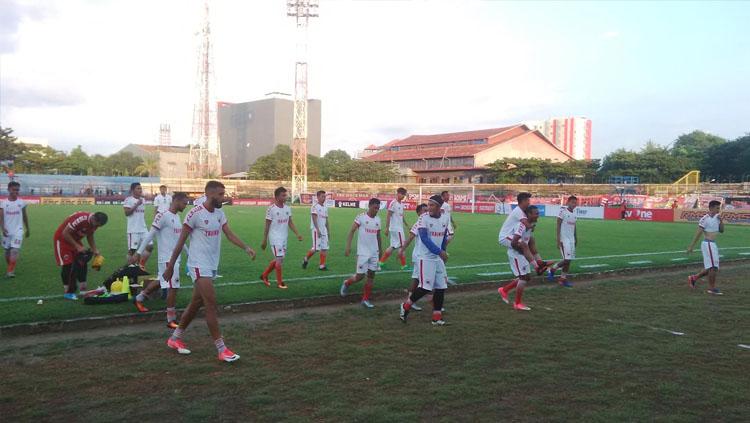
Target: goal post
(462, 194)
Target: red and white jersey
(137, 220)
(168, 229)
(279, 217)
(13, 215)
(709, 223)
(205, 237)
(446, 209)
(321, 213)
(79, 224)
(397, 215)
(437, 228)
(199, 201)
(162, 202)
(511, 222)
(568, 224)
(523, 231)
(367, 235)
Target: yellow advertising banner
(75, 201)
(736, 217)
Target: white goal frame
(452, 188)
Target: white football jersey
(168, 229)
(279, 217)
(205, 238)
(568, 224)
(162, 202)
(321, 211)
(397, 215)
(437, 228)
(137, 220)
(199, 201)
(367, 235)
(523, 231)
(446, 209)
(709, 223)
(514, 218)
(13, 215)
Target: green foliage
(694, 146)
(653, 164)
(728, 162)
(148, 167)
(8, 146)
(544, 171)
(122, 164)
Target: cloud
(15, 95)
(12, 14)
(610, 34)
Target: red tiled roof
(428, 153)
(447, 169)
(450, 137)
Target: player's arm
(453, 223)
(26, 221)
(144, 243)
(265, 234)
(349, 238)
(721, 224)
(559, 225)
(92, 244)
(575, 235)
(294, 228)
(328, 231)
(388, 220)
(424, 236)
(408, 242)
(169, 270)
(68, 237)
(314, 217)
(697, 236)
(129, 211)
(234, 239)
(2, 221)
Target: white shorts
(175, 282)
(13, 240)
(518, 263)
(397, 238)
(505, 242)
(135, 238)
(568, 250)
(451, 232)
(319, 241)
(197, 273)
(278, 249)
(710, 254)
(431, 274)
(365, 263)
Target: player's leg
(146, 254)
(367, 293)
(279, 268)
(522, 281)
(206, 288)
(68, 279)
(386, 255)
(519, 266)
(152, 286)
(311, 251)
(440, 285)
(175, 340)
(80, 270)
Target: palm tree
(149, 167)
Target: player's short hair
(714, 203)
(437, 199)
(179, 196)
(532, 208)
(401, 191)
(421, 207)
(162, 186)
(134, 185)
(12, 184)
(212, 185)
(373, 201)
(523, 196)
(572, 197)
(444, 192)
(101, 218)
(320, 192)
(278, 191)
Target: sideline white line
(640, 262)
(647, 326)
(744, 254)
(494, 273)
(744, 346)
(593, 266)
(682, 258)
(346, 275)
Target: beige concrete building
(173, 160)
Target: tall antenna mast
(205, 153)
(165, 135)
(301, 10)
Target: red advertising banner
(643, 215)
(251, 201)
(729, 216)
(488, 208)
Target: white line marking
(744, 346)
(494, 273)
(346, 275)
(646, 326)
(744, 254)
(679, 259)
(592, 266)
(640, 262)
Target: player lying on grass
(429, 267)
(70, 253)
(395, 222)
(320, 231)
(204, 225)
(413, 234)
(166, 228)
(367, 226)
(522, 234)
(278, 222)
(13, 219)
(567, 241)
(709, 226)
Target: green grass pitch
(474, 255)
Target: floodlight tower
(302, 11)
(165, 135)
(205, 154)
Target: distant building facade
(570, 134)
(173, 160)
(253, 129)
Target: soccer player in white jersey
(429, 269)
(567, 241)
(13, 220)
(204, 225)
(709, 226)
(278, 222)
(166, 228)
(518, 215)
(162, 201)
(199, 201)
(136, 222)
(395, 222)
(320, 231)
(413, 234)
(447, 210)
(367, 226)
(519, 264)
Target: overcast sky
(103, 73)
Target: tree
(728, 162)
(276, 166)
(9, 148)
(39, 160)
(694, 146)
(333, 164)
(122, 164)
(653, 164)
(77, 162)
(148, 167)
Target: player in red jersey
(70, 252)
